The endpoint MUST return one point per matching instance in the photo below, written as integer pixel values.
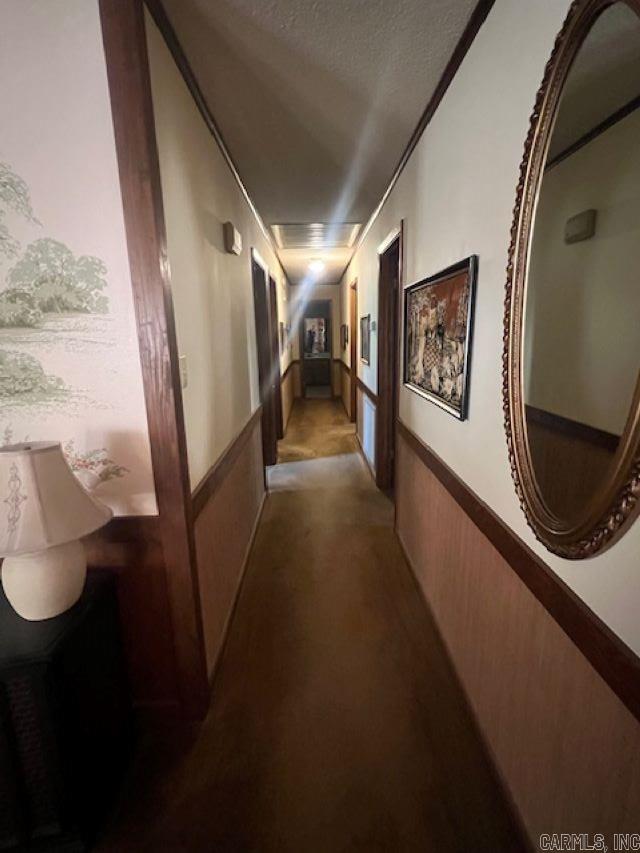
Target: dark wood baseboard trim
(612, 659)
(218, 472)
(573, 429)
(236, 598)
(366, 390)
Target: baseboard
(498, 776)
(236, 597)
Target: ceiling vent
(316, 235)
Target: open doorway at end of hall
(316, 347)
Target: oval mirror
(572, 355)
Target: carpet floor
(336, 723)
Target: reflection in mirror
(582, 315)
(315, 335)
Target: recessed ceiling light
(316, 266)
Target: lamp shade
(42, 504)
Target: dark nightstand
(65, 720)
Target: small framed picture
(438, 317)
(365, 338)
(344, 335)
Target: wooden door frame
(265, 358)
(275, 346)
(128, 75)
(389, 337)
(353, 352)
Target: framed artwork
(438, 319)
(316, 335)
(283, 337)
(365, 337)
(344, 335)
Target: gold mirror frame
(611, 510)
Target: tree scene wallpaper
(69, 357)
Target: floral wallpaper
(69, 358)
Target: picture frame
(438, 327)
(365, 338)
(283, 337)
(344, 335)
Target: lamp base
(45, 583)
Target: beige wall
(456, 196)
(212, 290)
(583, 305)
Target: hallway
(335, 722)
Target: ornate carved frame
(612, 509)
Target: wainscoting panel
(367, 423)
(566, 747)
(336, 377)
(225, 523)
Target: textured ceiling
(316, 99)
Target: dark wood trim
(366, 390)
(344, 365)
(389, 334)
(353, 351)
(218, 472)
(477, 19)
(125, 46)
(573, 429)
(288, 368)
(275, 346)
(614, 661)
(267, 362)
(131, 528)
(628, 108)
(161, 19)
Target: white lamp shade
(42, 504)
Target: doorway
(353, 343)
(316, 347)
(268, 363)
(390, 254)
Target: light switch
(184, 376)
